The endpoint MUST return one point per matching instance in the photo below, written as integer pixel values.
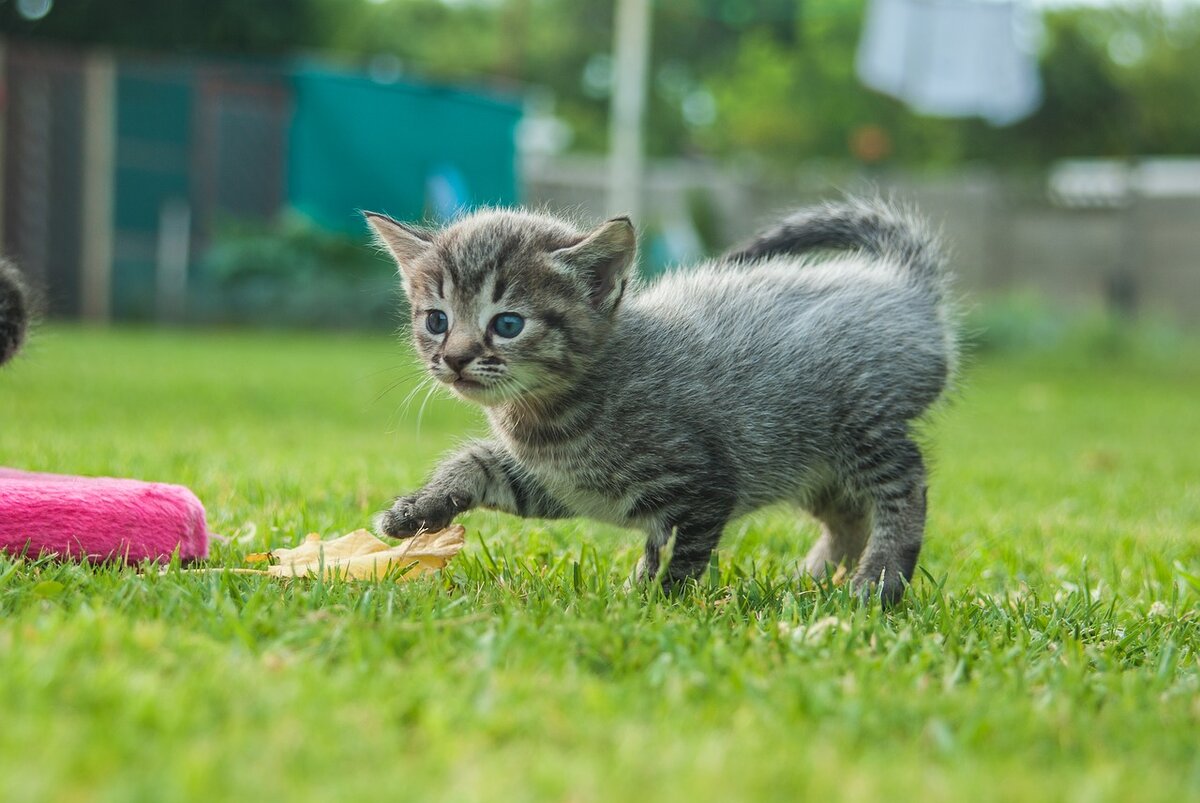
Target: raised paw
(418, 512)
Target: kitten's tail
(14, 311)
(880, 229)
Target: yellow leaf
(361, 556)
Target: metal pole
(631, 57)
(99, 168)
(174, 253)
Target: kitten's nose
(457, 361)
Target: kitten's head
(510, 305)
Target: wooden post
(4, 95)
(631, 58)
(171, 263)
(99, 168)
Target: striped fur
(769, 375)
(14, 311)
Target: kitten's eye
(508, 324)
(436, 322)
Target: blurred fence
(118, 175)
(43, 135)
(117, 172)
(1136, 251)
(120, 172)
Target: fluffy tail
(874, 226)
(14, 311)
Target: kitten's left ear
(605, 257)
(405, 243)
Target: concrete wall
(1004, 233)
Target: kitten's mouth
(468, 385)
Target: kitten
(771, 374)
(14, 311)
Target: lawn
(1049, 649)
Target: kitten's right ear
(606, 257)
(405, 243)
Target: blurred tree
(1157, 65)
(1118, 82)
(221, 26)
(796, 98)
(773, 78)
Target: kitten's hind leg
(894, 479)
(845, 528)
(684, 531)
(685, 549)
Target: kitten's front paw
(419, 512)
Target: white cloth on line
(951, 58)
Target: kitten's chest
(588, 481)
(587, 493)
(583, 463)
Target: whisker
(421, 411)
(390, 387)
(402, 408)
(408, 377)
(371, 374)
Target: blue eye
(508, 324)
(436, 322)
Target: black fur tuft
(14, 311)
(880, 229)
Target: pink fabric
(99, 517)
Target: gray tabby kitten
(14, 311)
(767, 375)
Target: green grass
(1050, 649)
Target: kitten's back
(786, 316)
(775, 327)
(779, 361)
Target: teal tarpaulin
(414, 152)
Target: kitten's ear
(405, 243)
(605, 257)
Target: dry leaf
(361, 556)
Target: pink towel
(99, 518)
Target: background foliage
(772, 79)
